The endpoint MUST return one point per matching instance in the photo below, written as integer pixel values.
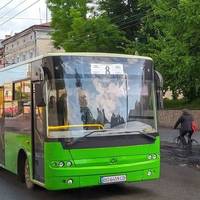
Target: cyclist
(185, 120)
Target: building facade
(31, 42)
(1, 55)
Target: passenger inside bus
(62, 110)
(86, 114)
(52, 111)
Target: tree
(74, 31)
(125, 14)
(61, 20)
(170, 34)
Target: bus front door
(39, 121)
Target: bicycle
(179, 143)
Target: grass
(181, 104)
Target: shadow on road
(115, 191)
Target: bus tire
(27, 175)
(24, 170)
(21, 164)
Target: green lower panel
(14, 142)
(89, 165)
(131, 177)
(58, 183)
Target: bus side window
(1, 103)
(1, 111)
(17, 107)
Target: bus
(74, 120)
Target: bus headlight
(149, 157)
(149, 173)
(69, 163)
(69, 181)
(152, 157)
(61, 164)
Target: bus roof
(99, 54)
(75, 54)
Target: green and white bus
(79, 119)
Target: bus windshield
(88, 93)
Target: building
(29, 43)
(1, 54)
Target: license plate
(113, 179)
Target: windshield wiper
(108, 130)
(88, 134)
(142, 133)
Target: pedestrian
(185, 120)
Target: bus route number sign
(108, 69)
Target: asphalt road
(180, 180)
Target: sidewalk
(168, 134)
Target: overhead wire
(19, 13)
(2, 16)
(24, 18)
(112, 19)
(6, 4)
(122, 26)
(92, 35)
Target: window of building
(31, 54)
(24, 57)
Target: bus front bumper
(141, 172)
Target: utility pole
(40, 16)
(46, 13)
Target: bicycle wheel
(177, 140)
(194, 142)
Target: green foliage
(125, 14)
(94, 35)
(61, 20)
(168, 31)
(75, 32)
(171, 36)
(182, 104)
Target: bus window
(1, 103)
(18, 109)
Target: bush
(181, 104)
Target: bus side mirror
(159, 89)
(37, 73)
(39, 97)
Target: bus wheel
(27, 176)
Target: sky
(36, 14)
